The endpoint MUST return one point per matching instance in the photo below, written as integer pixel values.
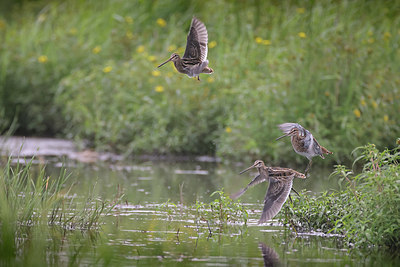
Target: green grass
(38, 212)
(366, 211)
(99, 81)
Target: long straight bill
(252, 166)
(282, 136)
(164, 62)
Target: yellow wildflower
(363, 103)
(327, 93)
(302, 34)
(156, 73)
(266, 42)
(42, 17)
(43, 59)
(212, 44)
(161, 22)
(228, 129)
(371, 40)
(386, 118)
(357, 113)
(370, 33)
(73, 31)
(96, 49)
(129, 19)
(300, 10)
(2, 24)
(159, 89)
(171, 48)
(259, 40)
(151, 58)
(140, 49)
(374, 104)
(181, 50)
(129, 35)
(107, 69)
(387, 35)
(210, 79)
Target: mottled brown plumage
(194, 61)
(280, 184)
(303, 142)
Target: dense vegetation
(366, 211)
(87, 70)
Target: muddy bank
(51, 147)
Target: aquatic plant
(213, 216)
(34, 207)
(366, 211)
(222, 210)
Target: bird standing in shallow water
(303, 142)
(194, 61)
(280, 184)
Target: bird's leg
(308, 167)
(198, 78)
(295, 192)
(290, 198)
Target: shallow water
(140, 232)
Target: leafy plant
(366, 211)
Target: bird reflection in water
(271, 258)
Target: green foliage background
(87, 70)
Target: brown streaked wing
(257, 180)
(196, 45)
(278, 192)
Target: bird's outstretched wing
(278, 192)
(287, 127)
(196, 46)
(257, 180)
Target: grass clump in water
(37, 211)
(216, 214)
(366, 212)
(221, 211)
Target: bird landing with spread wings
(280, 183)
(303, 142)
(194, 61)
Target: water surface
(141, 231)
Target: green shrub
(366, 211)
